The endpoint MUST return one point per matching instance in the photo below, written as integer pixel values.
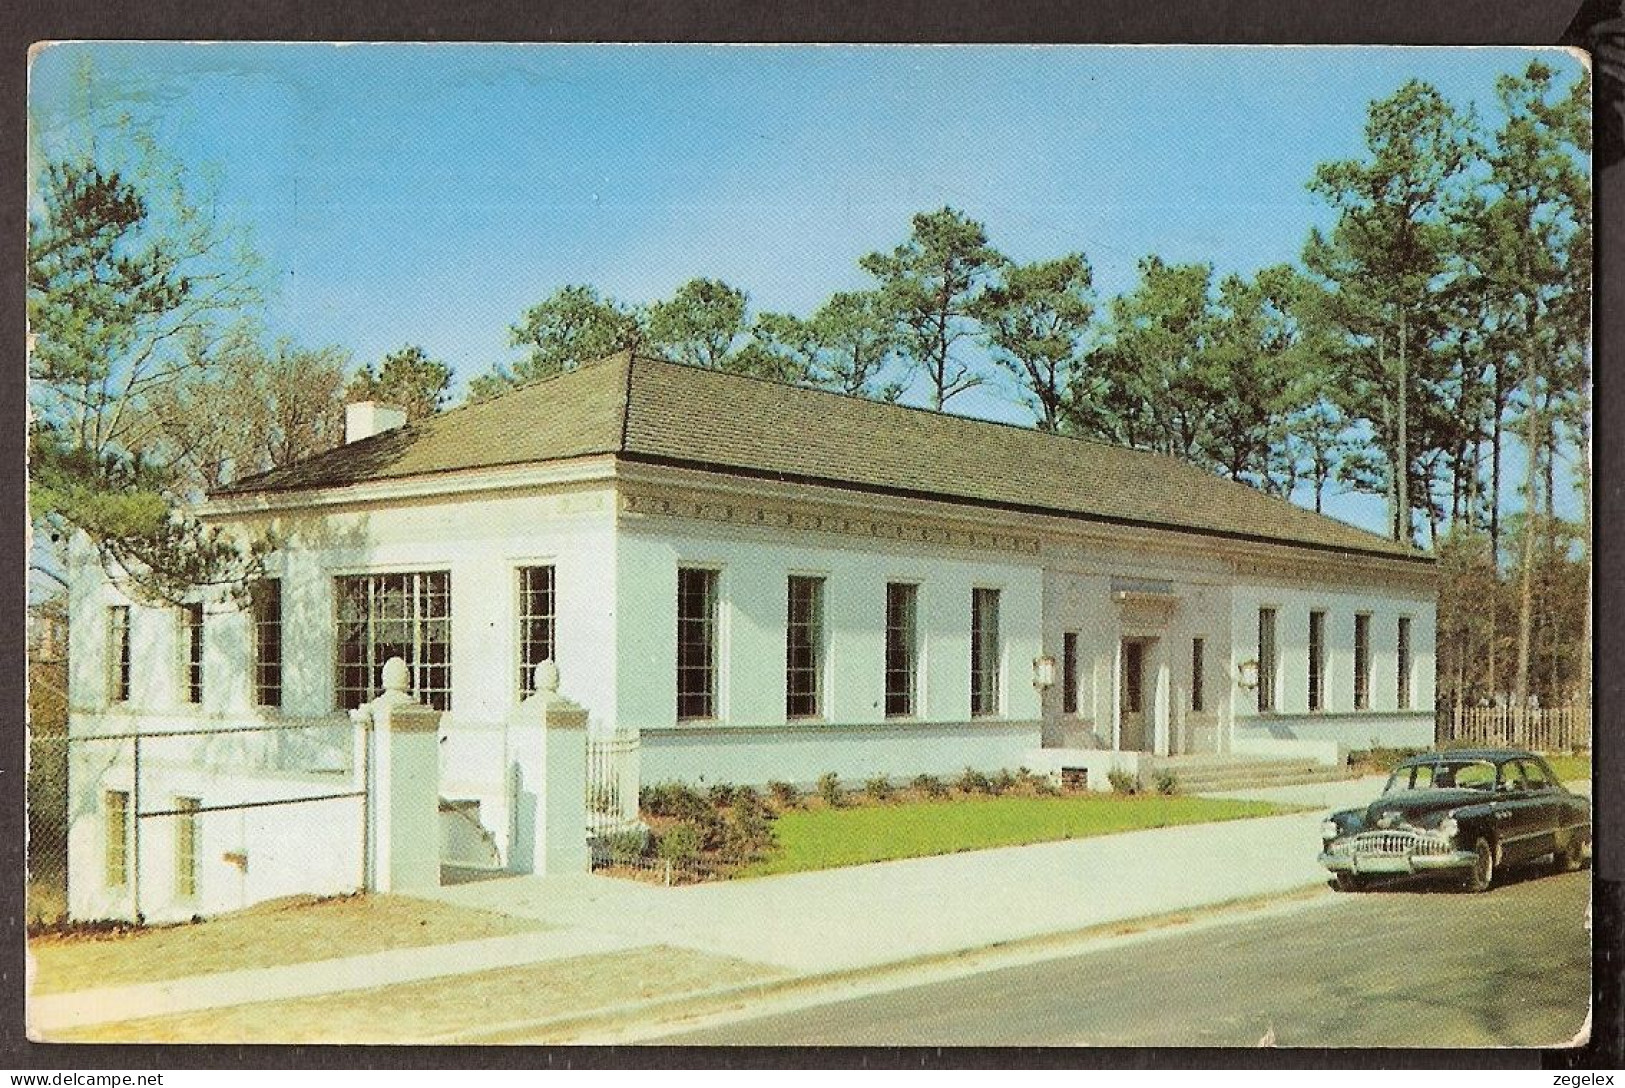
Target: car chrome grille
(1394, 843)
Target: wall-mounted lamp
(1247, 674)
(1043, 671)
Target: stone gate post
(403, 787)
(550, 781)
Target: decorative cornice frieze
(758, 514)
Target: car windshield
(1446, 774)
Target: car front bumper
(1397, 863)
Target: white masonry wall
(751, 740)
(1339, 728)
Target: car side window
(1511, 780)
(1475, 776)
(1535, 776)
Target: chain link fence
(167, 824)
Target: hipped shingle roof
(648, 410)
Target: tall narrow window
(267, 602)
(1133, 677)
(1404, 655)
(984, 652)
(804, 649)
(118, 653)
(186, 845)
(536, 624)
(381, 616)
(1317, 661)
(1069, 672)
(1362, 661)
(191, 653)
(696, 643)
(902, 648)
(116, 813)
(1198, 676)
(1266, 660)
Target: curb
(668, 1009)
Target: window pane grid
(696, 643)
(984, 639)
(1362, 661)
(381, 616)
(267, 601)
(1198, 675)
(186, 845)
(804, 648)
(1266, 659)
(1317, 661)
(118, 653)
(1404, 663)
(116, 808)
(537, 620)
(191, 652)
(1069, 672)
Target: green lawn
(1571, 768)
(825, 838)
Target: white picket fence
(1549, 729)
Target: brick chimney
(365, 418)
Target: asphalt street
(1406, 965)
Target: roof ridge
(1179, 464)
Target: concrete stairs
(1219, 774)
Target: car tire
(1351, 882)
(1482, 874)
(1572, 856)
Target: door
(1131, 696)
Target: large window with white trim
(1404, 663)
(381, 616)
(190, 658)
(1266, 660)
(118, 653)
(1317, 661)
(266, 598)
(804, 648)
(1362, 661)
(984, 652)
(902, 649)
(537, 624)
(696, 643)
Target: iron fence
(612, 783)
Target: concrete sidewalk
(809, 924)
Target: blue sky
(429, 194)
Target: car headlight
(1328, 829)
(1448, 827)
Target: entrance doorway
(1133, 711)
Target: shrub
(1123, 782)
(878, 787)
(930, 785)
(625, 847)
(748, 835)
(1036, 784)
(829, 788)
(681, 842)
(784, 794)
(721, 795)
(674, 800)
(1167, 783)
(974, 781)
(1002, 781)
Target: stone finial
(396, 678)
(545, 678)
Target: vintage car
(1465, 812)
